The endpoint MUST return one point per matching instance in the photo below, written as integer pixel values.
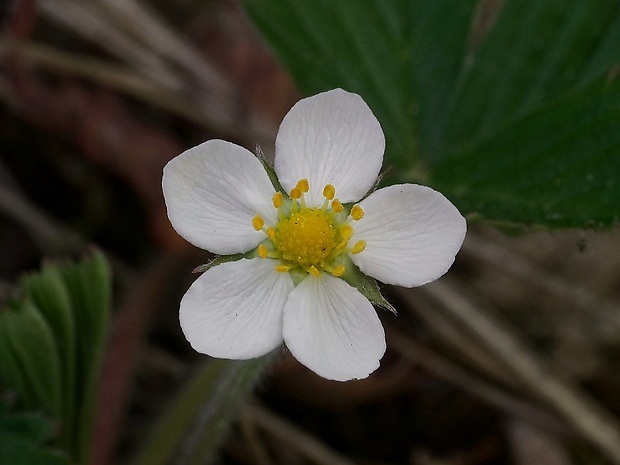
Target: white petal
(330, 138)
(234, 310)
(213, 191)
(412, 235)
(333, 329)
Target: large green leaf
(470, 94)
(573, 176)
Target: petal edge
(234, 310)
(212, 192)
(412, 235)
(333, 329)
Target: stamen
(262, 251)
(346, 232)
(303, 185)
(258, 222)
(357, 213)
(358, 247)
(336, 206)
(277, 199)
(309, 238)
(338, 271)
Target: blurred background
(511, 358)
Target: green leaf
(455, 82)
(206, 407)
(17, 450)
(48, 291)
(359, 46)
(551, 44)
(32, 426)
(29, 356)
(89, 288)
(573, 176)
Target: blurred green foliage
(52, 336)
(511, 108)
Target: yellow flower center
(309, 239)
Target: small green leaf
(89, 287)
(48, 291)
(28, 348)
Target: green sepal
(273, 177)
(367, 286)
(219, 260)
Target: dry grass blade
(91, 21)
(122, 79)
(509, 262)
(592, 421)
(420, 355)
(155, 33)
(163, 57)
(289, 434)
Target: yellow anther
(358, 247)
(262, 251)
(295, 193)
(303, 185)
(277, 199)
(258, 222)
(357, 212)
(336, 206)
(314, 271)
(282, 268)
(329, 192)
(346, 232)
(338, 271)
(271, 233)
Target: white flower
(300, 244)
